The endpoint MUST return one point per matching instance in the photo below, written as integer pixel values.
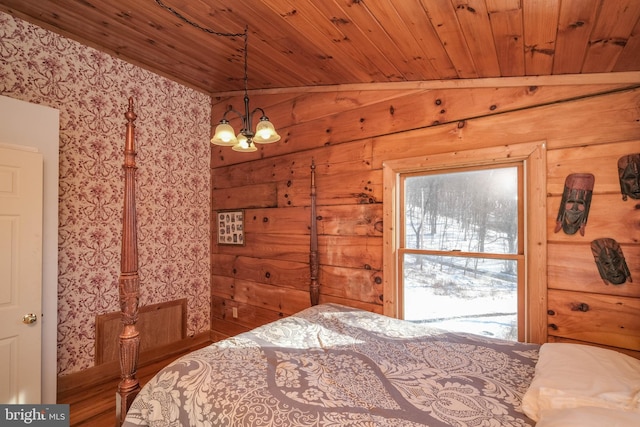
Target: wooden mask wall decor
(575, 203)
(629, 174)
(610, 261)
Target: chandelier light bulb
(224, 135)
(244, 145)
(266, 132)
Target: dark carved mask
(610, 261)
(575, 203)
(629, 174)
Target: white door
(20, 275)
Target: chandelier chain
(224, 134)
(217, 33)
(198, 26)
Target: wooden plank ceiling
(293, 43)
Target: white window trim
(534, 159)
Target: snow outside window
(461, 250)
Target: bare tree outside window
(460, 249)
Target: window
(461, 241)
(461, 250)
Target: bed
(333, 365)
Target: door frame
(17, 119)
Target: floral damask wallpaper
(91, 89)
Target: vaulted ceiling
(294, 43)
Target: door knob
(29, 318)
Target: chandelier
(244, 141)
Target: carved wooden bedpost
(129, 282)
(314, 287)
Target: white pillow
(575, 375)
(588, 417)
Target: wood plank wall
(349, 135)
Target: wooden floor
(97, 407)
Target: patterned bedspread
(332, 365)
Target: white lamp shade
(243, 145)
(265, 132)
(224, 135)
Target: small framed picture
(231, 227)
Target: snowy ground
(484, 304)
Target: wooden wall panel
(223, 286)
(599, 159)
(222, 264)
(345, 220)
(609, 216)
(249, 316)
(261, 195)
(352, 188)
(275, 298)
(343, 282)
(159, 325)
(607, 320)
(351, 251)
(284, 274)
(574, 123)
(355, 156)
(415, 111)
(572, 267)
(350, 134)
(293, 220)
(269, 246)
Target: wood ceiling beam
(629, 77)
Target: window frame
(532, 157)
(518, 256)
